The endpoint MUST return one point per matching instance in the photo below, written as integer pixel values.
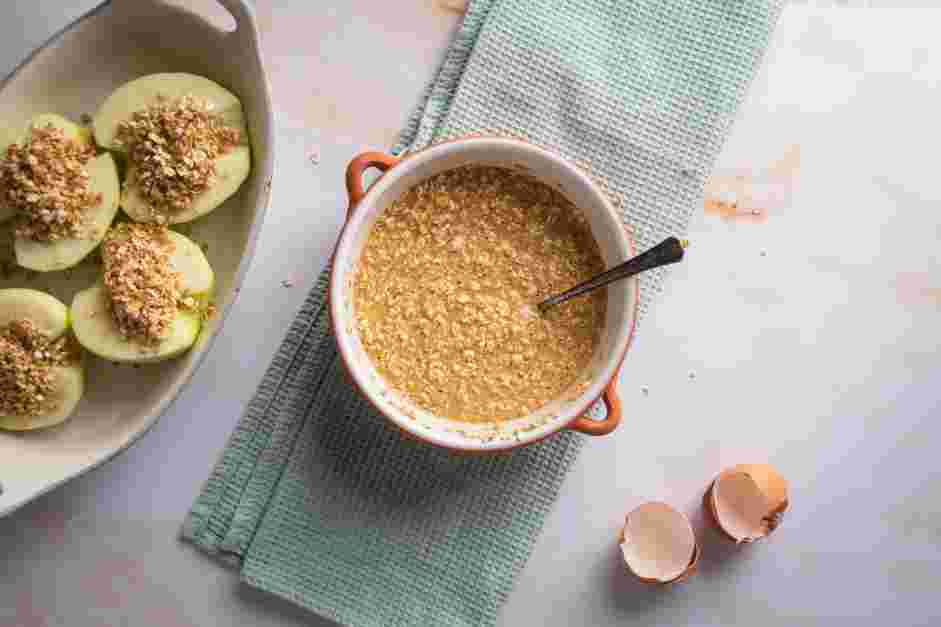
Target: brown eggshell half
(658, 544)
(746, 502)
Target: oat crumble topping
(46, 182)
(209, 312)
(446, 288)
(145, 291)
(173, 146)
(26, 361)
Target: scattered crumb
(453, 6)
(144, 290)
(209, 312)
(314, 158)
(188, 303)
(172, 147)
(27, 357)
(46, 182)
(763, 253)
(692, 376)
(645, 390)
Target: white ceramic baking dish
(613, 239)
(72, 74)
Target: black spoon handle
(666, 252)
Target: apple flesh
(65, 253)
(68, 388)
(232, 168)
(145, 91)
(96, 330)
(46, 312)
(51, 318)
(188, 259)
(103, 179)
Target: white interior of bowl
(72, 75)
(612, 239)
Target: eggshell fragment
(658, 544)
(746, 502)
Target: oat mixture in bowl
(434, 284)
(445, 289)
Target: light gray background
(810, 340)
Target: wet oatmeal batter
(446, 288)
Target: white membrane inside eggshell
(658, 542)
(740, 506)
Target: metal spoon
(666, 252)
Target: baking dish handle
(242, 12)
(612, 403)
(354, 174)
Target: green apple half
(15, 136)
(51, 317)
(103, 179)
(232, 168)
(96, 331)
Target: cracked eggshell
(746, 502)
(658, 544)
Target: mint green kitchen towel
(315, 499)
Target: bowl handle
(354, 174)
(612, 403)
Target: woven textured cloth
(315, 499)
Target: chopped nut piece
(145, 291)
(209, 312)
(444, 291)
(26, 361)
(173, 147)
(46, 182)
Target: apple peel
(658, 544)
(746, 502)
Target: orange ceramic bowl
(616, 246)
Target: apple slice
(15, 136)
(68, 388)
(65, 253)
(96, 331)
(147, 90)
(103, 179)
(188, 259)
(73, 131)
(232, 169)
(51, 318)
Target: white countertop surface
(806, 336)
